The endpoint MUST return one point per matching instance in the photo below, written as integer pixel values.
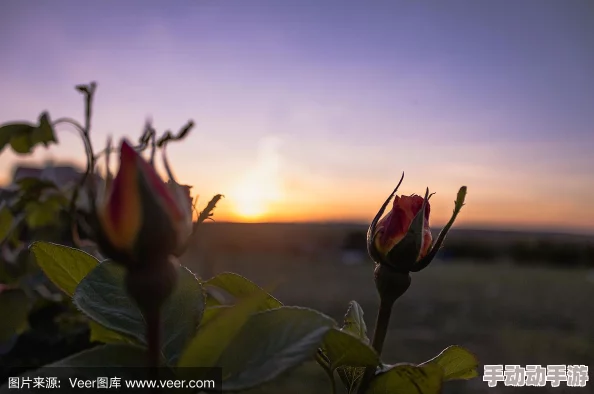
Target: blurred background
(307, 112)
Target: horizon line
(544, 230)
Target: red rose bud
(142, 221)
(392, 229)
(403, 236)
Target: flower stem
(153, 339)
(333, 383)
(379, 336)
(322, 360)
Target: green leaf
(34, 185)
(115, 355)
(344, 349)
(63, 265)
(23, 136)
(5, 134)
(6, 219)
(207, 346)
(182, 314)
(108, 360)
(270, 343)
(354, 323)
(15, 307)
(211, 312)
(105, 335)
(350, 377)
(456, 362)
(212, 299)
(42, 213)
(101, 295)
(407, 379)
(17, 135)
(44, 133)
(240, 287)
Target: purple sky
(311, 109)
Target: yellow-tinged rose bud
(142, 220)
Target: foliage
(252, 336)
(31, 208)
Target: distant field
(504, 313)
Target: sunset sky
(311, 109)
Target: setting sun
(260, 186)
(249, 202)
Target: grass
(505, 314)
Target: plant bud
(141, 219)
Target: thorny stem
(379, 336)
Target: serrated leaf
(344, 349)
(98, 333)
(63, 265)
(15, 307)
(209, 343)
(354, 323)
(350, 377)
(101, 295)
(114, 360)
(270, 343)
(407, 379)
(240, 287)
(182, 314)
(457, 363)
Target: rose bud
(401, 242)
(402, 239)
(142, 221)
(393, 228)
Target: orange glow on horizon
(261, 195)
